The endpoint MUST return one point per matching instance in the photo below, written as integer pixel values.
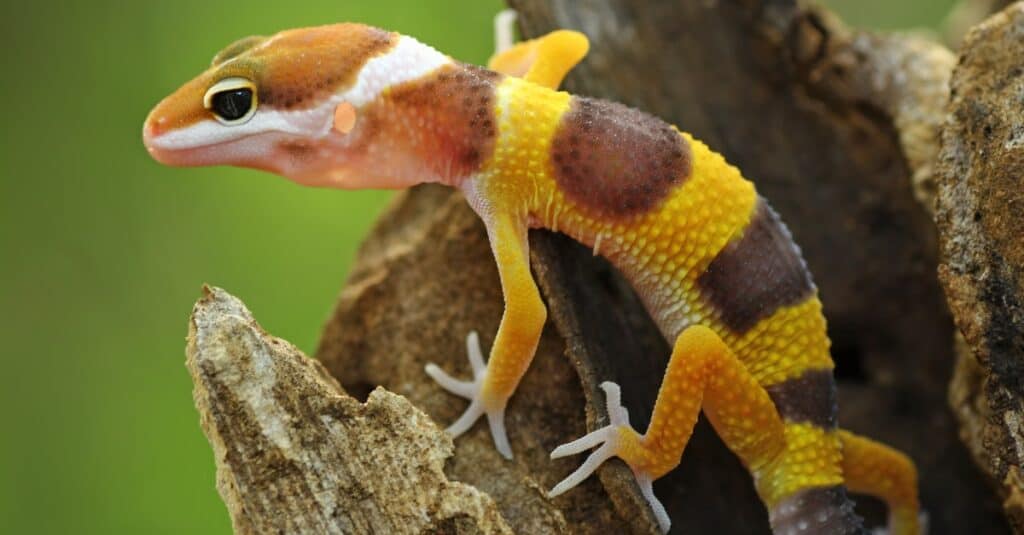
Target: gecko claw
(471, 390)
(465, 389)
(611, 440)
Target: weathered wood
(423, 280)
(980, 213)
(295, 454)
(839, 131)
(827, 123)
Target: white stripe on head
(309, 122)
(408, 60)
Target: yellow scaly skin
(690, 239)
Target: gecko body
(350, 106)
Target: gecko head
(285, 104)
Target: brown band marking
(809, 398)
(616, 160)
(756, 274)
(448, 119)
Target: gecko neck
(421, 118)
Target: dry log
(424, 278)
(980, 215)
(295, 454)
(823, 120)
(839, 131)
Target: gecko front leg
(516, 342)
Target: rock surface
(980, 215)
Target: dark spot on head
(456, 106)
(633, 159)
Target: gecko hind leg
(469, 390)
(610, 439)
(702, 374)
(878, 470)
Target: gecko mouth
(189, 157)
(248, 151)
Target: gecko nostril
(154, 126)
(150, 130)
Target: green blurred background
(103, 251)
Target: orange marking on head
(299, 65)
(291, 70)
(344, 117)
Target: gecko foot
(471, 390)
(617, 439)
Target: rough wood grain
(830, 124)
(980, 213)
(837, 128)
(295, 454)
(424, 279)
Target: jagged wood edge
(296, 454)
(808, 64)
(875, 94)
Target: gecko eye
(232, 100)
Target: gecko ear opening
(344, 117)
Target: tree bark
(839, 130)
(830, 124)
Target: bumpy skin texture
(721, 275)
(666, 237)
(714, 265)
